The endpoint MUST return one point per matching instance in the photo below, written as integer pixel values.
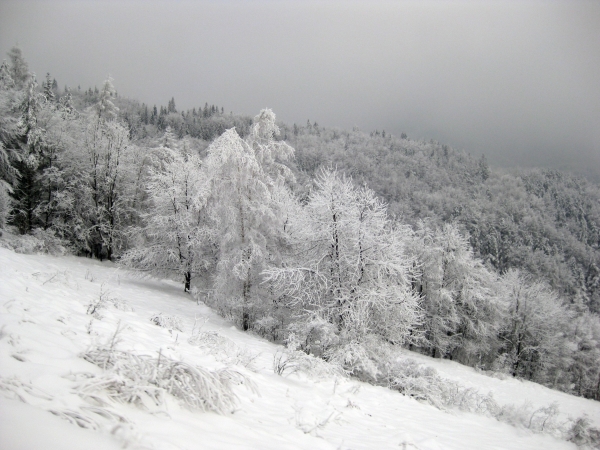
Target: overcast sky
(516, 80)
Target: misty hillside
(346, 247)
(546, 222)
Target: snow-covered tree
(104, 108)
(457, 293)
(9, 152)
(584, 369)
(104, 177)
(19, 70)
(56, 183)
(31, 136)
(533, 332)
(176, 232)
(243, 177)
(47, 89)
(6, 80)
(348, 268)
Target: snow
(45, 328)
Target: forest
(338, 243)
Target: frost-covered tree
(47, 89)
(19, 70)
(168, 139)
(56, 183)
(31, 137)
(6, 80)
(243, 177)
(174, 238)
(103, 166)
(457, 294)
(584, 370)
(533, 332)
(347, 272)
(104, 108)
(9, 144)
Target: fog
(516, 81)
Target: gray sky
(516, 80)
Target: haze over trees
(333, 241)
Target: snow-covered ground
(45, 328)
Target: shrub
(288, 361)
(223, 349)
(166, 321)
(145, 381)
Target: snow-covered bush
(424, 383)
(582, 434)
(145, 381)
(288, 361)
(105, 299)
(356, 358)
(167, 321)
(314, 336)
(269, 327)
(39, 242)
(223, 349)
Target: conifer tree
(47, 88)
(19, 70)
(27, 193)
(6, 80)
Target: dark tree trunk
(188, 279)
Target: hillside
(57, 310)
(343, 245)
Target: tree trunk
(245, 299)
(518, 361)
(188, 279)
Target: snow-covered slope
(45, 329)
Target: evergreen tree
(47, 89)
(19, 70)
(6, 80)
(104, 107)
(27, 193)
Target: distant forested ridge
(338, 243)
(545, 222)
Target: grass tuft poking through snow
(144, 380)
(166, 321)
(288, 361)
